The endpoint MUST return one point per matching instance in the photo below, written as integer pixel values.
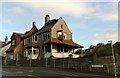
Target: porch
(31, 53)
(59, 51)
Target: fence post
(108, 69)
(54, 63)
(81, 67)
(68, 65)
(75, 65)
(90, 68)
(63, 64)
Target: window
(46, 36)
(34, 38)
(26, 52)
(13, 42)
(43, 37)
(28, 41)
(29, 52)
(65, 35)
(47, 49)
(66, 49)
(11, 57)
(60, 49)
(59, 34)
(62, 26)
(34, 51)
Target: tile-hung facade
(54, 39)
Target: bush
(104, 51)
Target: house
(16, 51)
(54, 39)
(4, 47)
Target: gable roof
(11, 49)
(6, 44)
(26, 34)
(47, 26)
(1, 43)
(16, 34)
(30, 32)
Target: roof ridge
(17, 33)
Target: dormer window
(13, 42)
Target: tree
(79, 51)
(116, 47)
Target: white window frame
(33, 38)
(37, 51)
(59, 33)
(26, 41)
(65, 35)
(13, 42)
(11, 57)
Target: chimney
(47, 18)
(34, 23)
(6, 40)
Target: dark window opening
(29, 52)
(35, 38)
(45, 36)
(47, 49)
(60, 48)
(48, 36)
(62, 26)
(34, 52)
(66, 49)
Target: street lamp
(113, 55)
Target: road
(18, 73)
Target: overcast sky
(90, 22)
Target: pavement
(21, 73)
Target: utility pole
(114, 60)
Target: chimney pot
(34, 23)
(6, 40)
(47, 18)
